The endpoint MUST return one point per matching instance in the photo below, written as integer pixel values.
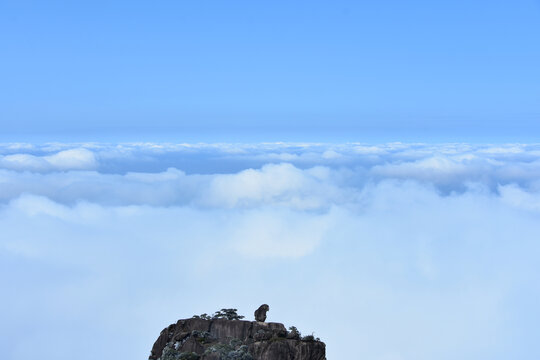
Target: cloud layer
(393, 251)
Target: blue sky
(270, 71)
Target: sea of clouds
(391, 251)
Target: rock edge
(215, 339)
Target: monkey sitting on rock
(260, 313)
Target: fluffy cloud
(406, 251)
(72, 159)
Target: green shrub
(169, 353)
(188, 356)
(204, 316)
(202, 336)
(294, 333)
(229, 314)
(234, 350)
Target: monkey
(260, 313)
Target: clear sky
(270, 70)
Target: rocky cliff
(223, 338)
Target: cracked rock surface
(222, 339)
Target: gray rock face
(215, 339)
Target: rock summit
(225, 336)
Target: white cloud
(408, 251)
(280, 184)
(72, 159)
(32, 205)
(331, 154)
(24, 162)
(517, 197)
(278, 233)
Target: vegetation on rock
(204, 316)
(223, 336)
(229, 314)
(234, 350)
(294, 333)
(169, 353)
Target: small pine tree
(295, 331)
(229, 314)
(202, 316)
